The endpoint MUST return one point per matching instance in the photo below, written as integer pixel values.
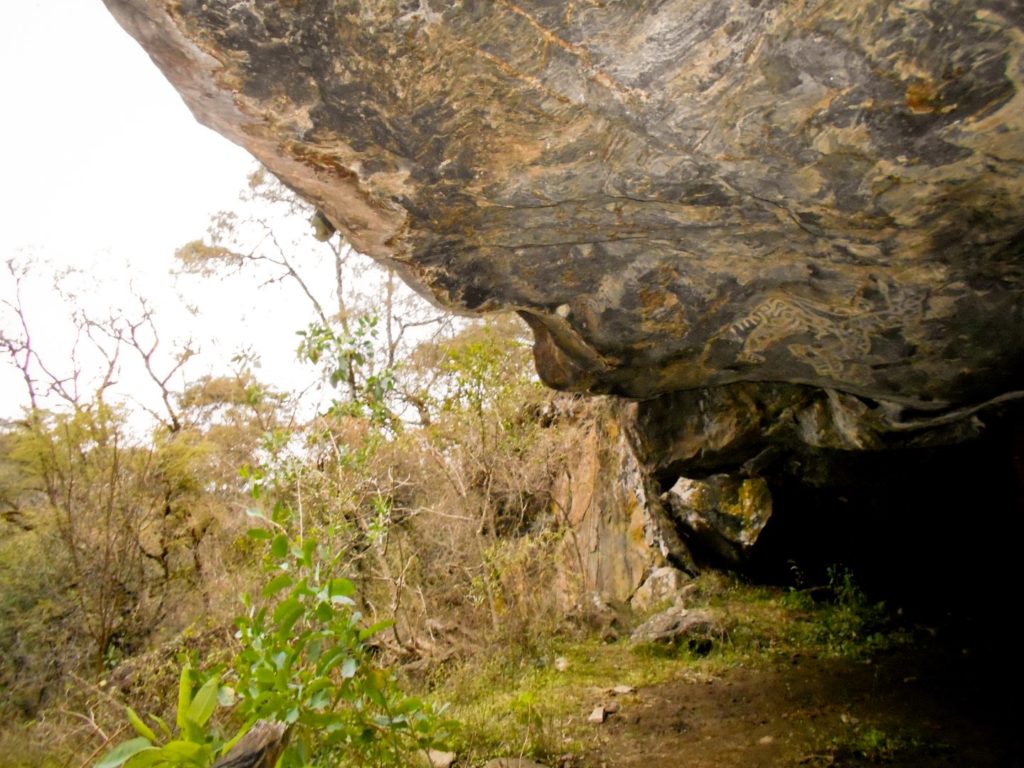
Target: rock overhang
(675, 195)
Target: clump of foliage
(194, 745)
(305, 659)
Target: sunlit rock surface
(675, 194)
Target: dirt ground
(918, 707)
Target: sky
(106, 170)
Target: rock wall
(783, 483)
(618, 530)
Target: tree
(363, 321)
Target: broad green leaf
(259, 534)
(205, 702)
(192, 733)
(319, 700)
(184, 695)
(140, 727)
(120, 754)
(409, 704)
(186, 752)
(375, 682)
(276, 584)
(342, 587)
(302, 588)
(286, 614)
(279, 546)
(146, 758)
(314, 649)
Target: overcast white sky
(104, 167)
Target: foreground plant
(305, 663)
(194, 745)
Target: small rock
(663, 585)
(561, 663)
(675, 624)
(611, 707)
(622, 690)
(432, 758)
(764, 740)
(512, 762)
(440, 759)
(597, 716)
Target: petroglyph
(834, 339)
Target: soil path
(914, 708)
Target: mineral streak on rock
(675, 194)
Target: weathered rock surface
(675, 624)
(619, 528)
(727, 513)
(675, 195)
(663, 585)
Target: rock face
(675, 194)
(727, 513)
(791, 231)
(619, 528)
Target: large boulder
(675, 195)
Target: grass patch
(532, 700)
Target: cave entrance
(935, 529)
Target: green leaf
(140, 727)
(324, 612)
(276, 584)
(374, 687)
(184, 695)
(342, 587)
(308, 547)
(205, 702)
(186, 752)
(330, 660)
(165, 729)
(122, 752)
(373, 629)
(279, 547)
(259, 534)
(192, 733)
(286, 614)
(146, 758)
